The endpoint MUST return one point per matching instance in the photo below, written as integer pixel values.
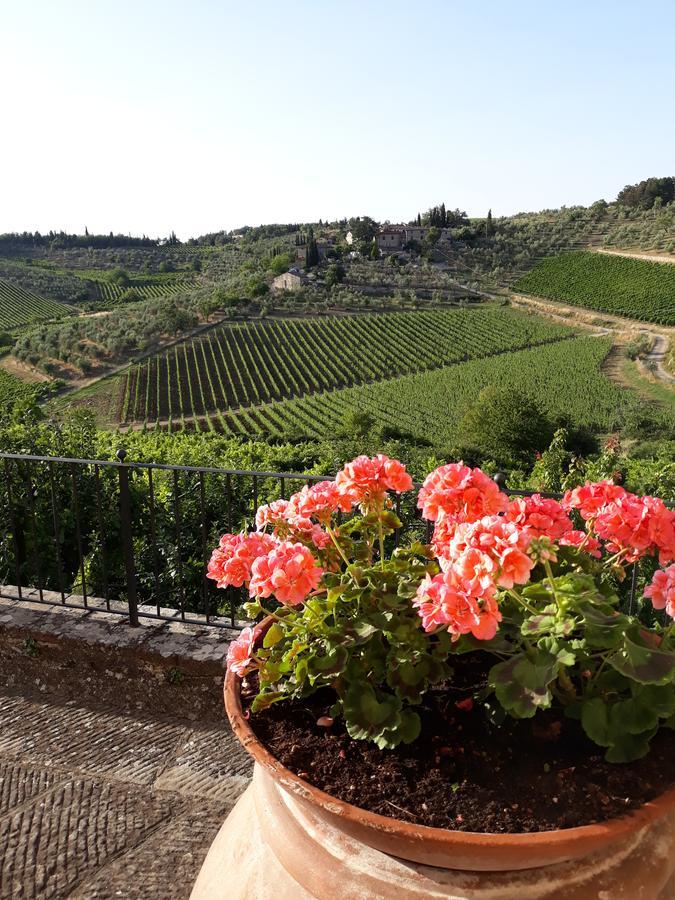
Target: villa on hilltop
(395, 237)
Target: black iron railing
(134, 538)
(125, 537)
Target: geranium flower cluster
(631, 527)
(485, 543)
(280, 563)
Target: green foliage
(578, 651)
(360, 637)
(252, 364)
(429, 406)
(280, 263)
(119, 277)
(505, 424)
(628, 287)
(648, 193)
(22, 307)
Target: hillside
(620, 285)
(244, 365)
(21, 307)
(564, 376)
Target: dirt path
(22, 370)
(635, 254)
(657, 355)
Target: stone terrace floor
(99, 804)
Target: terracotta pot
(288, 840)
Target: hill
(21, 307)
(614, 284)
(244, 365)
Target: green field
(20, 307)
(13, 389)
(614, 284)
(146, 288)
(235, 366)
(564, 376)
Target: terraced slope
(245, 365)
(564, 376)
(614, 284)
(21, 307)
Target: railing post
(127, 538)
(499, 479)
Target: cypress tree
(489, 228)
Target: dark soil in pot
(464, 773)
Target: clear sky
(148, 116)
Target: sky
(145, 116)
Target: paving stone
(20, 783)
(164, 866)
(52, 844)
(86, 740)
(209, 764)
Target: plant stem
(551, 581)
(337, 546)
(381, 536)
(516, 596)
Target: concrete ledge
(164, 667)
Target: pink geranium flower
(540, 516)
(503, 545)
(462, 493)
(662, 590)
(590, 498)
(630, 525)
(320, 501)
(365, 481)
(240, 652)
(231, 561)
(581, 541)
(446, 600)
(289, 573)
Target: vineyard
(21, 307)
(246, 365)
(628, 287)
(13, 389)
(146, 289)
(564, 376)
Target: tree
(505, 425)
(312, 252)
(357, 423)
(119, 277)
(489, 227)
(334, 274)
(374, 250)
(363, 228)
(280, 263)
(644, 193)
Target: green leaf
(273, 635)
(604, 627)
(595, 721)
(331, 663)
(521, 685)
(630, 747)
(641, 661)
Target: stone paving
(102, 804)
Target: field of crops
(236, 366)
(12, 389)
(564, 376)
(145, 288)
(20, 307)
(628, 287)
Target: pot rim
(580, 836)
